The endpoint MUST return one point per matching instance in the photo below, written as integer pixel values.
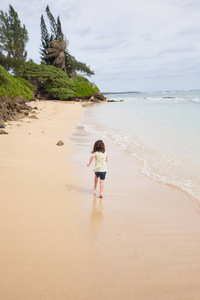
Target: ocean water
(161, 129)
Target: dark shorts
(102, 175)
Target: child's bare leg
(101, 188)
(95, 182)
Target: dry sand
(60, 241)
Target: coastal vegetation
(57, 42)
(12, 87)
(58, 74)
(54, 83)
(13, 39)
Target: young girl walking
(99, 153)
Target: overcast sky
(132, 45)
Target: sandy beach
(60, 241)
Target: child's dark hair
(99, 146)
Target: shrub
(55, 81)
(48, 78)
(81, 79)
(14, 87)
(60, 88)
(84, 89)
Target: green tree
(13, 37)
(48, 78)
(3, 61)
(72, 65)
(45, 39)
(56, 28)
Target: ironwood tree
(13, 39)
(72, 66)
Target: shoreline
(164, 165)
(60, 241)
(144, 233)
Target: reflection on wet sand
(96, 216)
(77, 188)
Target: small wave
(170, 99)
(162, 168)
(187, 185)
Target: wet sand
(145, 235)
(60, 241)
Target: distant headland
(130, 92)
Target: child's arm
(106, 158)
(91, 159)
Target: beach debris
(60, 143)
(3, 132)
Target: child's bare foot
(100, 196)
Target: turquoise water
(161, 129)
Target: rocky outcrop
(99, 97)
(110, 100)
(12, 110)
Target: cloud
(178, 50)
(82, 32)
(146, 43)
(190, 31)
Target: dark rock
(33, 117)
(19, 116)
(98, 96)
(12, 110)
(9, 118)
(3, 132)
(115, 100)
(60, 143)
